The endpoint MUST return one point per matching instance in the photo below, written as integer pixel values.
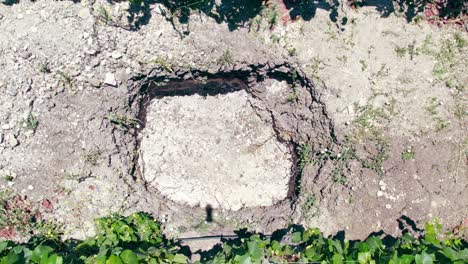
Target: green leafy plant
(120, 240)
(138, 238)
(310, 246)
(408, 154)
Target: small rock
(20, 16)
(94, 82)
(6, 126)
(11, 90)
(1, 138)
(90, 51)
(116, 55)
(95, 62)
(25, 54)
(50, 105)
(12, 141)
(84, 13)
(30, 187)
(110, 79)
(379, 194)
(388, 206)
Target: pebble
(6, 126)
(30, 187)
(388, 206)
(116, 55)
(20, 16)
(110, 79)
(94, 62)
(383, 185)
(90, 51)
(11, 90)
(94, 82)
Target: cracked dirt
(374, 114)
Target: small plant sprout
(408, 154)
(305, 155)
(163, 63)
(9, 178)
(30, 122)
(363, 65)
(103, 14)
(44, 67)
(310, 208)
(400, 51)
(225, 59)
(92, 157)
(65, 79)
(275, 38)
(122, 122)
(292, 51)
(292, 97)
(272, 17)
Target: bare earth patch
(215, 151)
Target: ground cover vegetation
(139, 238)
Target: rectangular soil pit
(213, 150)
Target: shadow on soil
(410, 9)
(306, 9)
(236, 13)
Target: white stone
(110, 79)
(116, 55)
